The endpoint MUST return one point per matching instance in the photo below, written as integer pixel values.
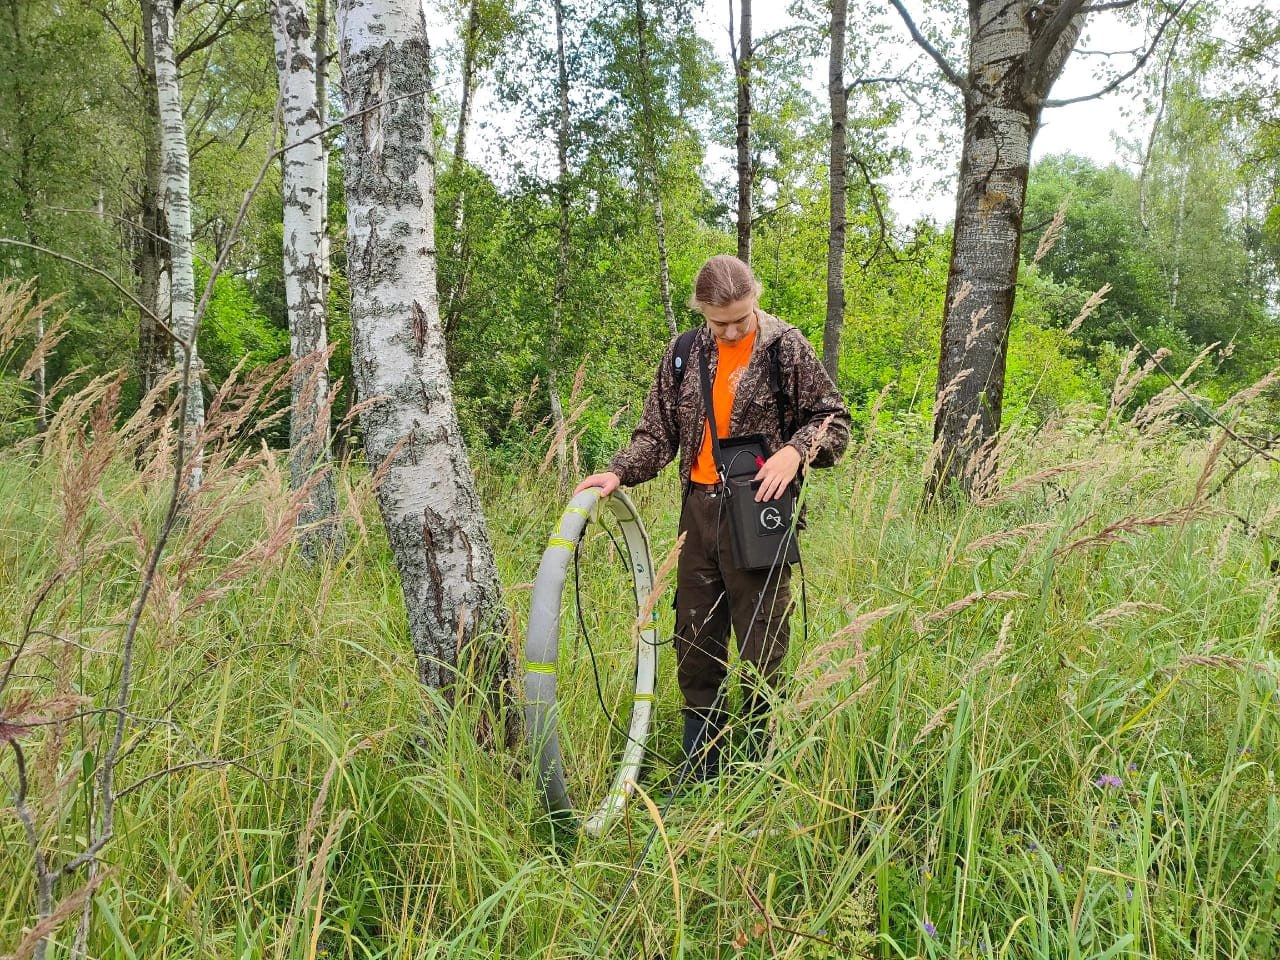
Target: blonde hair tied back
(722, 280)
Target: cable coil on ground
(542, 646)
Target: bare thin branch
(781, 34)
(871, 81)
(923, 42)
(1138, 65)
(41, 595)
(84, 266)
(1113, 5)
(882, 240)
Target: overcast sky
(1091, 129)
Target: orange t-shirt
(732, 361)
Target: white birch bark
(38, 376)
(154, 348)
(322, 109)
(176, 170)
(303, 189)
(427, 498)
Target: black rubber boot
(702, 738)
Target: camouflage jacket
(670, 424)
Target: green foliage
(1182, 278)
(15, 409)
(496, 233)
(234, 331)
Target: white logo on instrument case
(771, 519)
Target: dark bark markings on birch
(303, 177)
(152, 262)
(427, 498)
(176, 172)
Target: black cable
(595, 670)
(687, 766)
(629, 562)
(804, 604)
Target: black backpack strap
(781, 401)
(684, 344)
(679, 363)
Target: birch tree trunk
(303, 189)
(176, 172)
(742, 72)
(650, 139)
(39, 387)
(470, 38)
(152, 259)
(322, 110)
(27, 190)
(835, 247)
(558, 425)
(427, 496)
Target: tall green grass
(1038, 747)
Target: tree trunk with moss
(1016, 52)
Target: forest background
(1185, 233)
(1142, 347)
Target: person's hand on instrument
(776, 473)
(607, 482)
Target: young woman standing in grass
(745, 351)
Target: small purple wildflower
(1108, 780)
(930, 929)
(1128, 894)
(1132, 768)
(1062, 871)
(1032, 847)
